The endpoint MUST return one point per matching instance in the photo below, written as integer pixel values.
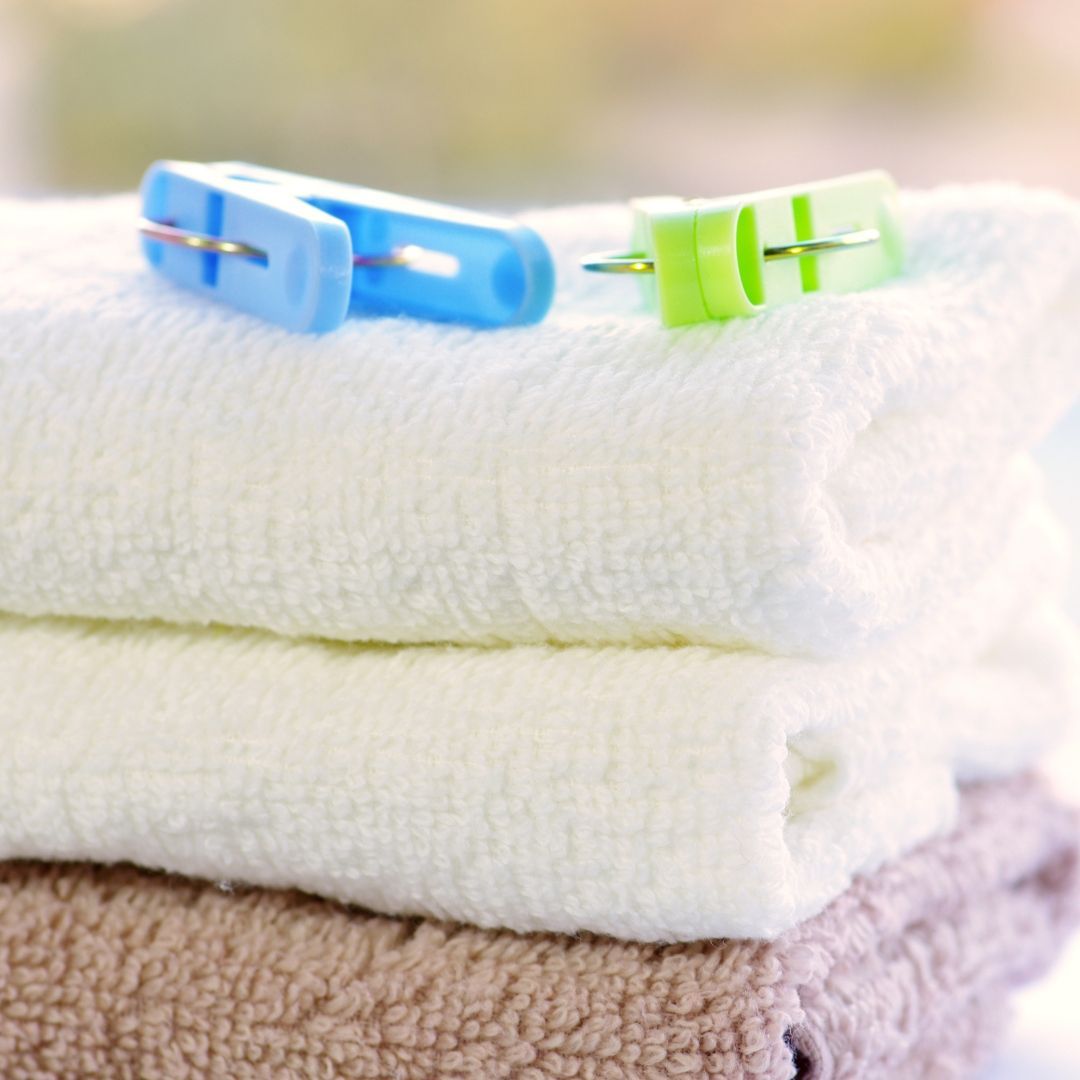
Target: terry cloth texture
(806, 481)
(652, 794)
(113, 972)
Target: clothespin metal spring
(637, 262)
(167, 233)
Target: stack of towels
(583, 700)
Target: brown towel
(112, 972)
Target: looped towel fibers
(653, 794)
(108, 971)
(805, 482)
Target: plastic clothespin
(303, 252)
(715, 258)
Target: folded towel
(653, 794)
(112, 972)
(805, 481)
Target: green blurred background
(508, 103)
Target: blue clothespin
(303, 252)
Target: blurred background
(507, 104)
(500, 104)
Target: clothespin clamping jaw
(303, 252)
(714, 258)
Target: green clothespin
(714, 258)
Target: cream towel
(659, 794)
(807, 481)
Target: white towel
(659, 793)
(806, 481)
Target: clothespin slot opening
(749, 253)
